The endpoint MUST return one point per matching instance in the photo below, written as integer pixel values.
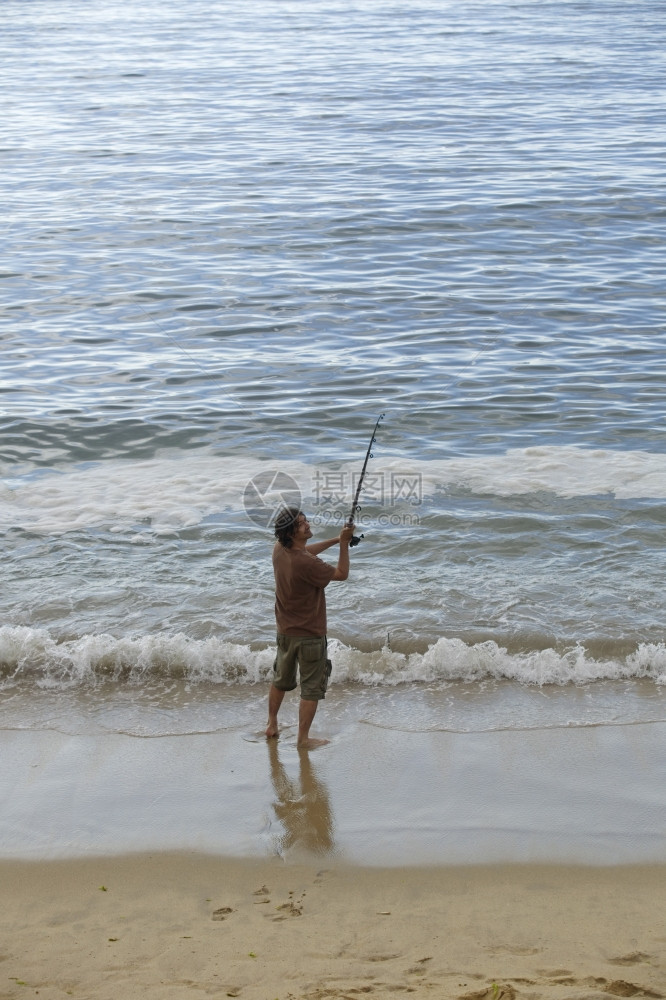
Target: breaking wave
(32, 657)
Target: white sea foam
(32, 657)
(170, 493)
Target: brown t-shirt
(300, 602)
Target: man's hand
(346, 534)
(342, 569)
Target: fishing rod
(355, 504)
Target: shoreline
(179, 924)
(371, 797)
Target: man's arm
(318, 547)
(342, 569)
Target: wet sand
(486, 865)
(374, 796)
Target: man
(300, 614)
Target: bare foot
(271, 730)
(311, 743)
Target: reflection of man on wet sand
(305, 813)
(300, 614)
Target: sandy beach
(178, 925)
(487, 865)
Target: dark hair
(285, 525)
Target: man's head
(291, 523)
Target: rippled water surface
(237, 232)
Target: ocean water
(234, 234)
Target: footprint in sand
(633, 959)
(510, 949)
(286, 910)
(292, 908)
(498, 991)
(418, 968)
(621, 988)
(222, 913)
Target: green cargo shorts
(308, 653)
